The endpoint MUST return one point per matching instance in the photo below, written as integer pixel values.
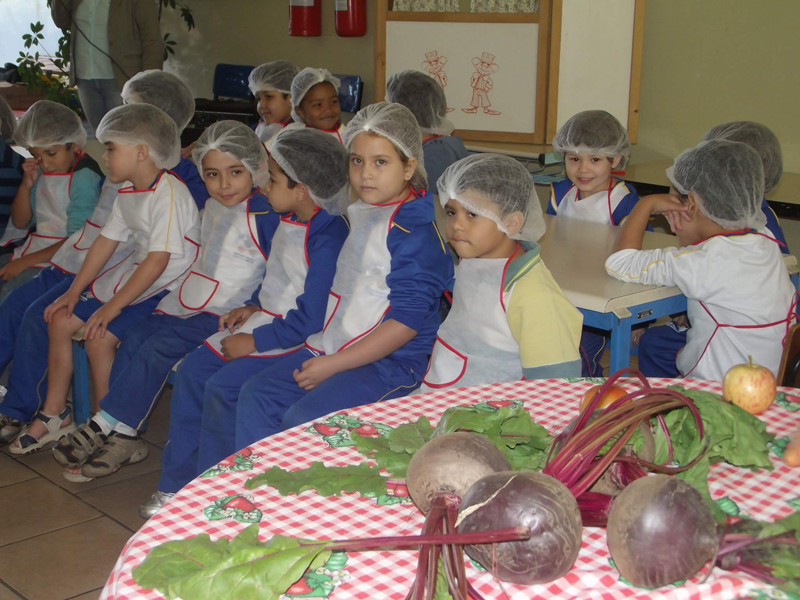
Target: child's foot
(488, 111)
(44, 431)
(152, 506)
(9, 428)
(119, 450)
(470, 111)
(75, 449)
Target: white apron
(359, 297)
(475, 345)
(597, 208)
(285, 280)
(70, 256)
(230, 266)
(11, 234)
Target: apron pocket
(450, 366)
(197, 290)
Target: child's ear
(692, 204)
(410, 168)
(513, 223)
(142, 152)
(616, 161)
(301, 192)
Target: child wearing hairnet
(739, 296)
(235, 235)
(158, 212)
(10, 174)
(382, 312)
(762, 140)
(307, 169)
(23, 331)
(595, 145)
(59, 190)
(271, 84)
(505, 301)
(315, 101)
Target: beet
(450, 464)
(660, 530)
(537, 501)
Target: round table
(217, 503)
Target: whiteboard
(489, 71)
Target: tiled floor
(60, 540)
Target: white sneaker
(9, 428)
(155, 503)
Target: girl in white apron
(158, 212)
(382, 312)
(509, 319)
(315, 101)
(271, 84)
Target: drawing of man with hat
(481, 84)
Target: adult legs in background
(98, 96)
(658, 351)
(592, 346)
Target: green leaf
(410, 437)
(377, 449)
(697, 476)
(327, 481)
(441, 591)
(177, 559)
(247, 537)
(790, 523)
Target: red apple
(750, 387)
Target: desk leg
(620, 345)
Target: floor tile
(85, 555)
(44, 464)
(121, 500)
(37, 506)
(158, 424)
(12, 471)
(93, 595)
(7, 594)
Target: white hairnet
(761, 139)
(237, 140)
(494, 186)
(304, 81)
(424, 97)
(8, 122)
(48, 123)
(163, 90)
(594, 132)
(318, 161)
(276, 76)
(728, 180)
(134, 124)
(397, 124)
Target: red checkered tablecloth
(199, 507)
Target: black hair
(291, 182)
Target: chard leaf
(410, 437)
(697, 476)
(377, 449)
(327, 481)
(247, 537)
(790, 523)
(178, 559)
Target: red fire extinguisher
(351, 18)
(305, 18)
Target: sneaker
(9, 428)
(118, 451)
(155, 503)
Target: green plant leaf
(327, 481)
(410, 437)
(377, 449)
(177, 559)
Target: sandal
(26, 443)
(79, 446)
(119, 450)
(9, 427)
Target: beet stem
(743, 543)
(766, 578)
(510, 534)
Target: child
(315, 101)
(594, 145)
(382, 312)
(271, 84)
(236, 233)
(58, 192)
(158, 212)
(23, 331)
(740, 298)
(505, 302)
(762, 140)
(425, 98)
(307, 168)
(10, 173)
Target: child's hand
(30, 171)
(236, 318)
(67, 301)
(12, 269)
(238, 345)
(315, 371)
(98, 322)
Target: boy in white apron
(509, 320)
(383, 308)
(236, 235)
(23, 331)
(59, 190)
(271, 84)
(595, 148)
(159, 213)
(315, 101)
(306, 168)
(740, 298)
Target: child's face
(121, 161)
(473, 236)
(320, 107)
(274, 107)
(227, 180)
(589, 172)
(377, 171)
(281, 198)
(54, 159)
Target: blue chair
(230, 81)
(350, 91)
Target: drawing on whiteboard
(434, 66)
(481, 84)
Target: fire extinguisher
(305, 18)
(351, 18)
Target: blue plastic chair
(230, 81)
(350, 91)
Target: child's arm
(142, 278)
(15, 267)
(632, 233)
(21, 209)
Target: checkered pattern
(389, 574)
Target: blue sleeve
(419, 275)
(189, 175)
(309, 316)
(84, 191)
(775, 226)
